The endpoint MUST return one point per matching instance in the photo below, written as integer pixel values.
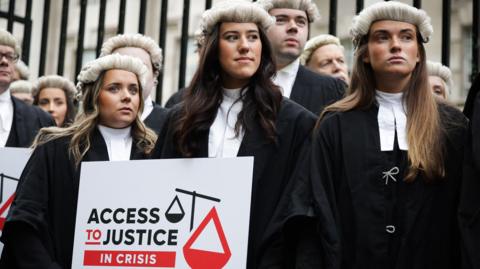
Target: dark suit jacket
(27, 120)
(175, 98)
(156, 118)
(314, 91)
(311, 90)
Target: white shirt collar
(392, 118)
(6, 96)
(148, 108)
(222, 141)
(231, 94)
(292, 68)
(118, 141)
(286, 77)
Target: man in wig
(19, 122)
(325, 55)
(288, 37)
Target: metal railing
(332, 28)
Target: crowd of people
(368, 168)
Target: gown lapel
(256, 144)
(98, 148)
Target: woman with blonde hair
(39, 230)
(388, 155)
(56, 95)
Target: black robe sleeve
(323, 166)
(469, 208)
(25, 235)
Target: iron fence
(332, 28)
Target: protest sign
(176, 213)
(12, 162)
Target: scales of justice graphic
(5, 205)
(198, 258)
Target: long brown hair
(424, 131)
(86, 121)
(261, 98)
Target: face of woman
(54, 101)
(437, 86)
(119, 99)
(392, 49)
(240, 53)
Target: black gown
(314, 91)
(40, 226)
(274, 170)
(469, 209)
(27, 121)
(381, 220)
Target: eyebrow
(287, 16)
(237, 32)
(387, 32)
(119, 83)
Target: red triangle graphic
(203, 259)
(4, 207)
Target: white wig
(232, 11)
(22, 69)
(55, 81)
(441, 71)
(306, 5)
(21, 86)
(137, 41)
(317, 42)
(92, 70)
(394, 11)
(7, 39)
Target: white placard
(176, 213)
(12, 162)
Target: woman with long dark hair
(232, 108)
(389, 154)
(56, 95)
(39, 230)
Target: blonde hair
(306, 5)
(317, 42)
(87, 120)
